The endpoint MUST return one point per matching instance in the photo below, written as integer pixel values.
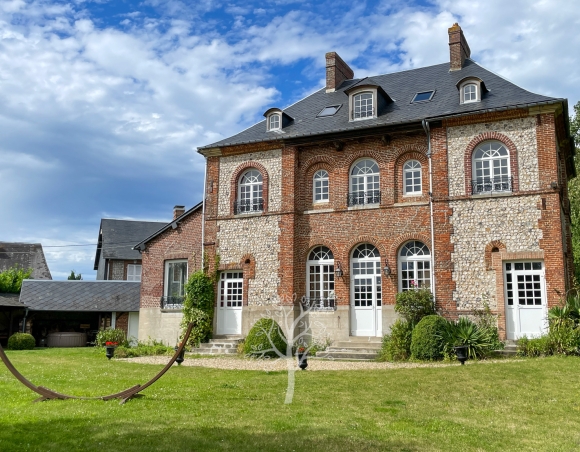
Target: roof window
(329, 111)
(423, 96)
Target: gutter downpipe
(203, 215)
(428, 132)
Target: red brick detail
(490, 136)
(314, 242)
(399, 241)
(492, 247)
(122, 321)
(236, 180)
(308, 181)
(350, 245)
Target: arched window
(364, 183)
(491, 168)
(414, 266)
(469, 93)
(320, 186)
(363, 106)
(274, 122)
(320, 278)
(412, 177)
(250, 193)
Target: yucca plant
(465, 332)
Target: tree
(74, 277)
(11, 279)
(574, 191)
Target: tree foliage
(198, 307)
(574, 190)
(74, 276)
(11, 279)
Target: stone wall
(256, 236)
(117, 270)
(511, 220)
(270, 160)
(521, 131)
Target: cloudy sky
(104, 102)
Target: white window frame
(250, 192)
(183, 278)
(367, 102)
(467, 84)
(494, 181)
(370, 181)
(275, 117)
(132, 273)
(320, 186)
(412, 267)
(320, 262)
(410, 167)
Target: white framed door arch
(414, 266)
(365, 291)
(229, 302)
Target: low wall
(158, 325)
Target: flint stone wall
(477, 222)
(521, 131)
(258, 236)
(271, 160)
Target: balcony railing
(318, 304)
(491, 184)
(249, 206)
(175, 303)
(359, 198)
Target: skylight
(423, 96)
(329, 111)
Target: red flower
(111, 344)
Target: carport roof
(10, 300)
(120, 296)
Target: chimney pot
(458, 48)
(337, 71)
(178, 211)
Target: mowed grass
(524, 405)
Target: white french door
(365, 297)
(525, 296)
(230, 300)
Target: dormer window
(471, 90)
(274, 122)
(363, 106)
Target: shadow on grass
(119, 435)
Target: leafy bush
(532, 348)
(397, 345)
(11, 279)
(264, 339)
(415, 304)
(21, 341)
(563, 338)
(198, 308)
(111, 335)
(487, 322)
(480, 341)
(557, 315)
(153, 348)
(427, 342)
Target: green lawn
(521, 405)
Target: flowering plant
(301, 349)
(111, 344)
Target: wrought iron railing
(358, 198)
(172, 303)
(249, 206)
(319, 304)
(491, 184)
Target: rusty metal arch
(123, 396)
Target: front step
(218, 347)
(510, 349)
(348, 355)
(356, 348)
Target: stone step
(233, 337)
(371, 339)
(213, 351)
(359, 349)
(224, 341)
(233, 345)
(347, 355)
(357, 345)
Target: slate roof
(173, 224)
(118, 237)
(81, 295)
(401, 87)
(24, 255)
(10, 300)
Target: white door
(229, 320)
(365, 297)
(525, 295)
(133, 328)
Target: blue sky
(103, 103)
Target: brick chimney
(337, 71)
(458, 48)
(178, 211)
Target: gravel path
(272, 365)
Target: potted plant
(110, 348)
(180, 358)
(302, 354)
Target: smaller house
(115, 258)
(82, 307)
(11, 311)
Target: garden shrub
(487, 323)
(152, 348)
(563, 338)
(264, 339)
(397, 345)
(414, 304)
(427, 341)
(198, 308)
(111, 335)
(534, 347)
(480, 341)
(21, 341)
